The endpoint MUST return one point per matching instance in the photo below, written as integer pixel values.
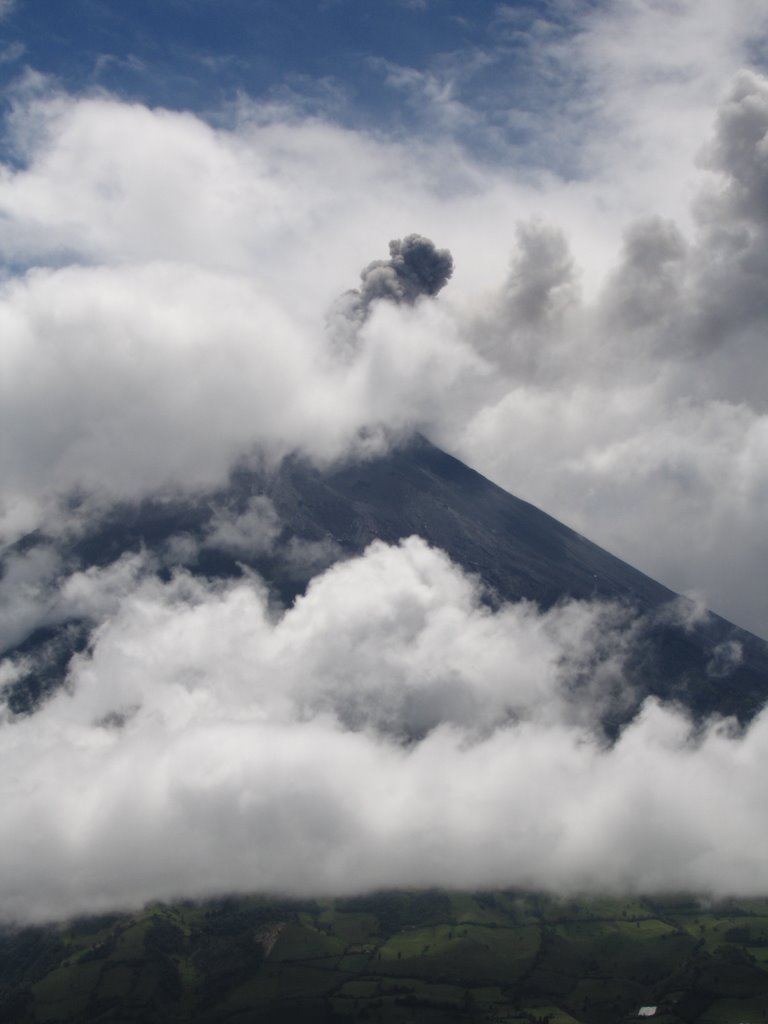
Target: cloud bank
(388, 730)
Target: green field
(395, 958)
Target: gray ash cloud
(415, 267)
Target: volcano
(697, 660)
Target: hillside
(396, 958)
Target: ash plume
(415, 267)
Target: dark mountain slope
(521, 552)
(518, 551)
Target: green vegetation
(394, 958)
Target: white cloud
(643, 413)
(38, 589)
(204, 745)
(249, 532)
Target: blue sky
(197, 53)
(337, 55)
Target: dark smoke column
(415, 267)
